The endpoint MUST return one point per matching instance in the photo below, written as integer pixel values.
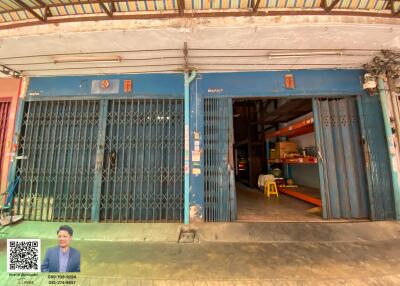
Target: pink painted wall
(9, 90)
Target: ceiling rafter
(113, 6)
(392, 8)
(30, 10)
(323, 4)
(110, 7)
(181, 7)
(47, 12)
(102, 3)
(108, 11)
(328, 8)
(255, 5)
(333, 4)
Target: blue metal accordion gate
(108, 160)
(219, 189)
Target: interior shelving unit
(302, 127)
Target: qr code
(23, 255)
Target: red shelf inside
(302, 160)
(296, 129)
(300, 196)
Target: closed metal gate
(141, 176)
(342, 172)
(377, 158)
(219, 196)
(58, 148)
(4, 112)
(143, 171)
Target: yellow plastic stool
(270, 188)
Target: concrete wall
(157, 37)
(9, 90)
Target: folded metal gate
(219, 189)
(376, 154)
(141, 148)
(342, 171)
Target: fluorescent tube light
(87, 59)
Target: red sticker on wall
(289, 81)
(127, 86)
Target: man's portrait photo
(62, 258)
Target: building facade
(174, 111)
(112, 148)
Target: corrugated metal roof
(22, 10)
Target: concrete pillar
(196, 199)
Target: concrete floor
(252, 205)
(280, 254)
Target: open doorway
(276, 136)
(312, 148)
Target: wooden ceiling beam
(113, 6)
(181, 7)
(30, 10)
(107, 10)
(255, 5)
(333, 4)
(94, 17)
(47, 12)
(392, 8)
(327, 8)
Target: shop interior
(275, 147)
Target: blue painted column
(188, 80)
(196, 199)
(390, 143)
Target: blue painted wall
(241, 84)
(145, 85)
(306, 175)
(308, 83)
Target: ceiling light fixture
(302, 55)
(87, 59)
